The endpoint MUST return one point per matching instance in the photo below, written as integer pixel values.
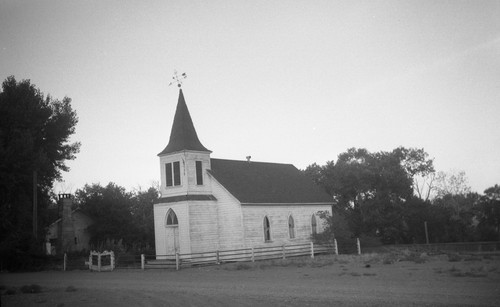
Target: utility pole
(35, 206)
(426, 233)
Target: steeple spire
(183, 135)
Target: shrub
(10, 291)
(34, 288)
(454, 258)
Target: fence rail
(458, 247)
(177, 261)
(244, 254)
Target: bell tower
(184, 161)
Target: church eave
(163, 153)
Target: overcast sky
(283, 81)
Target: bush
(454, 258)
(70, 289)
(31, 289)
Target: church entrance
(172, 233)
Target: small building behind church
(212, 204)
(68, 233)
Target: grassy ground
(399, 278)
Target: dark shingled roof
(183, 135)
(259, 182)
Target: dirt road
(434, 283)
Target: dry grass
(365, 260)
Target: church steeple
(183, 135)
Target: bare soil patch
(366, 280)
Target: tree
(456, 222)
(143, 216)
(109, 207)
(489, 214)
(119, 215)
(452, 182)
(34, 137)
(372, 187)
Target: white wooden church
(211, 204)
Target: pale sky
(283, 81)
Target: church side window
(173, 174)
(199, 173)
(314, 226)
(267, 230)
(291, 227)
(171, 218)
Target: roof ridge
(252, 161)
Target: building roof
(183, 135)
(266, 183)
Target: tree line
(393, 195)
(384, 195)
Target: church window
(267, 230)
(314, 226)
(177, 173)
(168, 173)
(199, 173)
(173, 174)
(291, 227)
(171, 218)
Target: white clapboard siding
(230, 218)
(253, 219)
(203, 226)
(160, 213)
(188, 185)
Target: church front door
(172, 238)
(171, 234)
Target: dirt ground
(354, 281)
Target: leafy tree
(109, 207)
(119, 215)
(455, 216)
(143, 217)
(371, 188)
(489, 214)
(34, 137)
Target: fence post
(64, 261)
(143, 260)
(335, 247)
(217, 261)
(283, 251)
(358, 245)
(177, 261)
(253, 256)
(312, 250)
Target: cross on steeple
(178, 79)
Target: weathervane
(178, 79)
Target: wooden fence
(224, 256)
(177, 261)
(457, 247)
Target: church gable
(266, 183)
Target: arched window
(171, 218)
(314, 227)
(267, 230)
(291, 227)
